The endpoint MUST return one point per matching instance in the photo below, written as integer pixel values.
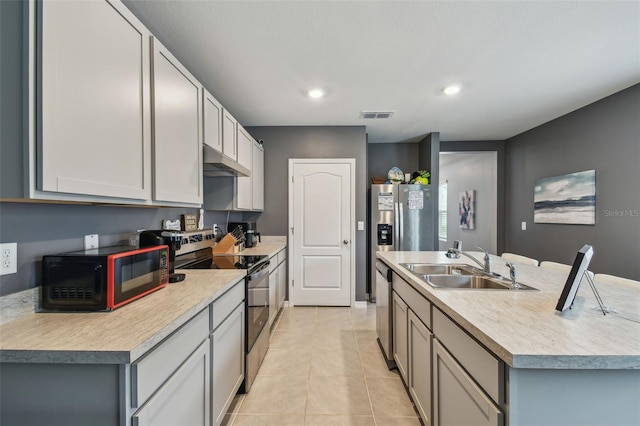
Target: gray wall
(604, 136)
(465, 171)
(11, 101)
(283, 143)
(383, 156)
(55, 228)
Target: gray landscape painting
(569, 199)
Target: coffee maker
(250, 230)
(173, 239)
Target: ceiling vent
(376, 114)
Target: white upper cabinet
(229, 136)
(212, 121)
(257, 177)
(250, 190)
(245, 143)
(177, 143)
(93, 106)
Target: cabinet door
(419, 371)
(228, 362)
(282, 284)
(229, 138)
(257, 177)
(400, 338)
(273, 296)
(95, 120)
(184, 398)
(212, 135)
(245, 145)
(457, 399)
(177, 139)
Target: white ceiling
(520, 63)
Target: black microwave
(102, 279)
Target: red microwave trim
(111, 275)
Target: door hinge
(292, 230)
(293, 283)
(291, 179)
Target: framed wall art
(567, 199)
(467, 209)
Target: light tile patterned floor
(324, 367)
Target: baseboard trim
(360, 304)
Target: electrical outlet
(91, 241)
(523, 226)
(8, 258)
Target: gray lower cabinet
(281, 286)
(273, 287)
(450, 377)
(400, 338)
(419, 371)
(184, 398)
(457, 399)
(277, 284)
(227, 349)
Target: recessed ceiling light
(315, 93)
(452, 89)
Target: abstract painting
(467, 209)
(567, 199)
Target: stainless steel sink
(439, 269)
(482, 282)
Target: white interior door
(321, 221)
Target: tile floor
(324, 367)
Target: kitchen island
(578, 367)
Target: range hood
(216, 164)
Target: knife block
(226, 245)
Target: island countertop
(523, 328)
(116, 337)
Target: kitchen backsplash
(55, 228)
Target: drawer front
(225, 304)
(148, 374)
(417, 302)
(487, 370)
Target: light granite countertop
(124, 335)
(120, 336)
(268, 246)
(523, 328)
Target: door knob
(345, 241)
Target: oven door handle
(264, 270)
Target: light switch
(360, 225)
(91, 241)
(524, 226)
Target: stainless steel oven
(257, 307)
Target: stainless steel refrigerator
(402, 219)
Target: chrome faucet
(512, 275)
(486, 266)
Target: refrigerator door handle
(399, 225)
